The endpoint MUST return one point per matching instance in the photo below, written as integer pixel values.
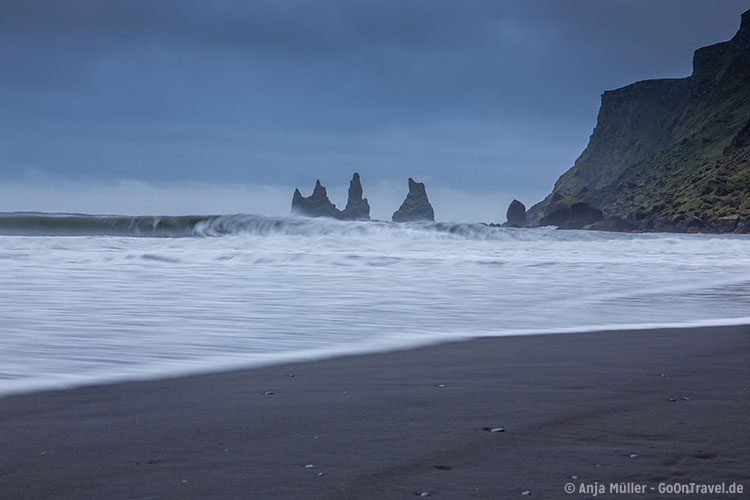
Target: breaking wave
(186, 226)
(148, 296)
(181, 226)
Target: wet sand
(646, 406)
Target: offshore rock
(416, 206)
(357, 208)
(516, 215)
(315, 205)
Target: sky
(182, 106)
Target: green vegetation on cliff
(671, 154)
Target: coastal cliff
(670, 154)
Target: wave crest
(41, 224)
(184, 226)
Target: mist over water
(90, 299)
(50, 194)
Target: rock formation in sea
(416, 206)
(516, 214)
(670, 154)
(315, 205)
(318, 204)
(357, 207)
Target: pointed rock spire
(416, 206)
(315, 205)
(357, 208)
(745, 21)
(319, 190)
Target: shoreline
(659, 405)
(227, 364)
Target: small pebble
(42, 452)
(321, 474)
(685, 398)
(309, 466)
(633, 455)
(525, 493)
(494, 429)
(440, 385)
(184, 481)
(673, 399)
(268, 393)
(291, 375)
(662, 375)
(424, 494)
(573, 477)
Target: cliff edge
(670, 154)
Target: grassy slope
(705, 172)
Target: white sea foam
(106, 305)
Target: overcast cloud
(197, 106)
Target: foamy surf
(141, 297)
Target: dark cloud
(475, 94)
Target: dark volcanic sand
(378, 426)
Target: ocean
(92, 299)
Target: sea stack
(516, 215)
(315, 205)
(416, 206)
(357, 208)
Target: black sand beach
(645, 406)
